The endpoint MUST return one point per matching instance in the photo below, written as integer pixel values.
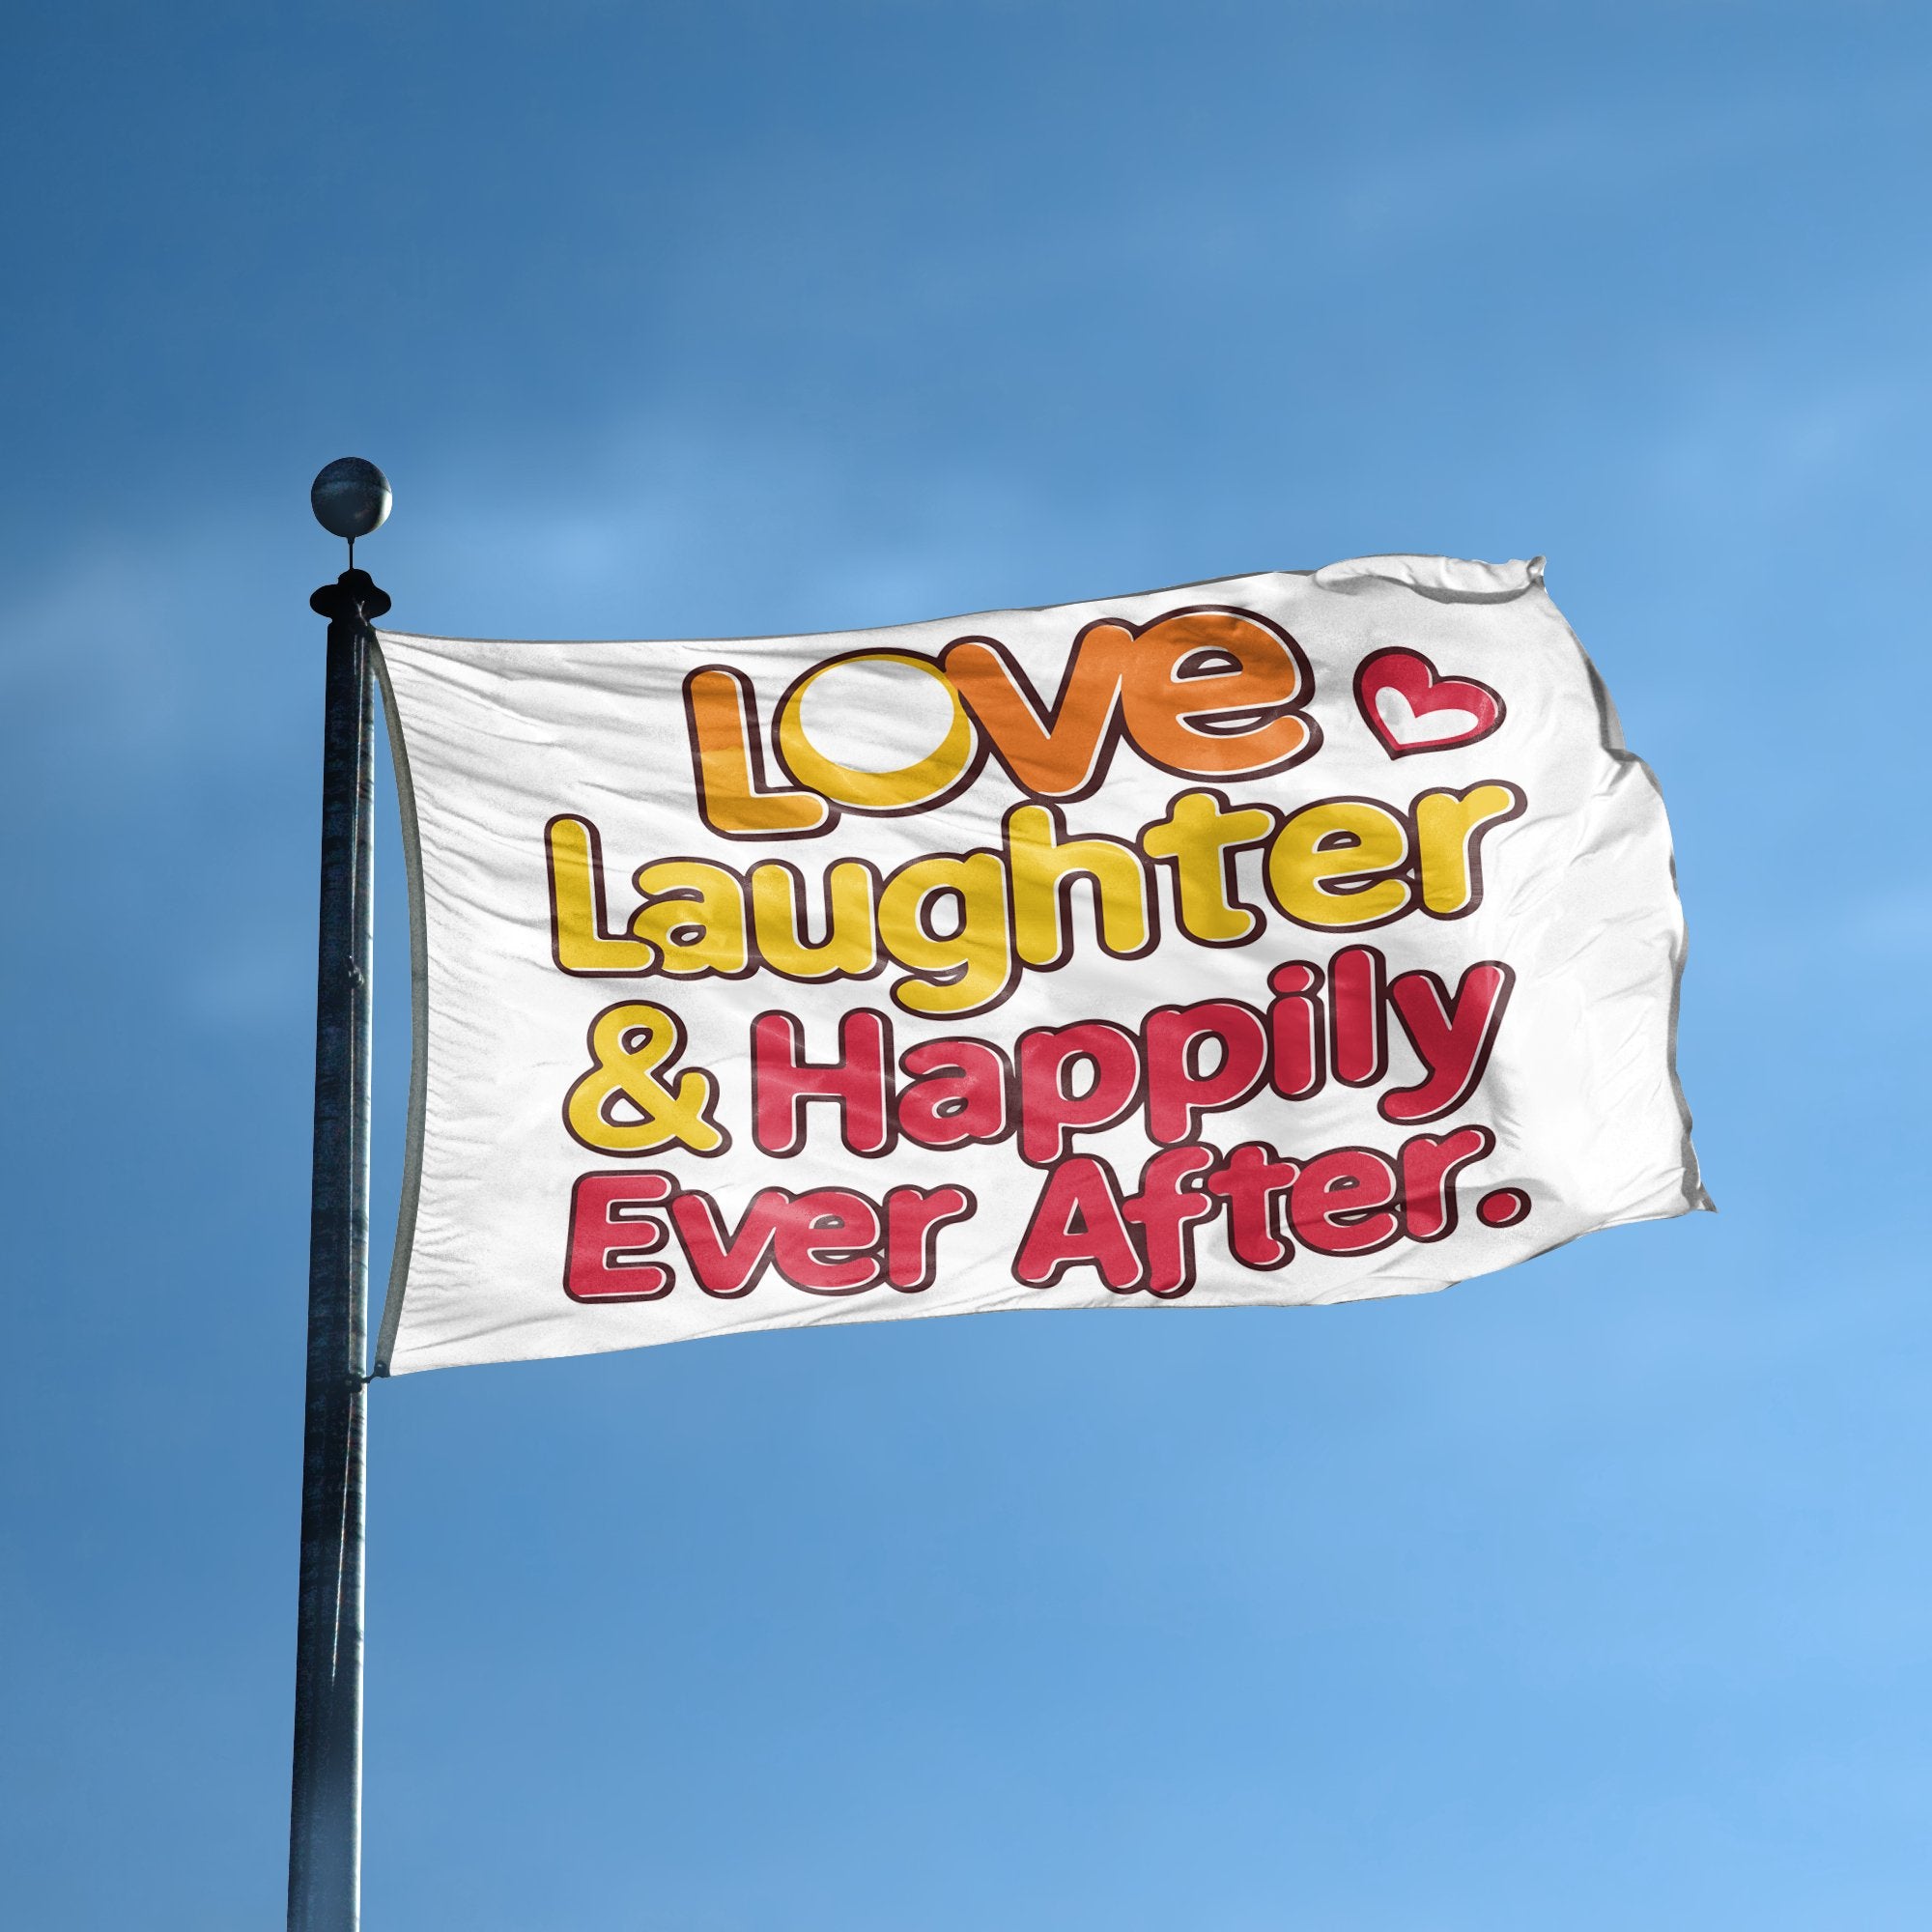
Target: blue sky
(1594, 1595)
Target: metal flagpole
(351, 498)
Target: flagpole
(351, 498)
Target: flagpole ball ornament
(351, 498)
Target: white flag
(1294, 938)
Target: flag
(1294, 938)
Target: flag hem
(411, 1189)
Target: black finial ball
(350, 497)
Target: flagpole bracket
(353, 598)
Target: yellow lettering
(1328, 864)
(908, 788)
(1199, 838)
(1044, 863)
(850, 948)
(696, 917)
(621, 1105)
(1449, 827)
(578, 934)
(952, 973)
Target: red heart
(1410, 709)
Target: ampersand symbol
(628, 1043)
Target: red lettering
(1357, 1023)
(1078, 1223)
(912, 1221)
(824, 1240)
(1251, 1181)
(1166, 1210)
(958, 1094)
(1503, 1209)
(1294, 1030)
(1178, 1089)
(1430, 1165)
(601, 1262)
(1453, 1042)
(857, 1083)
(729, 1268)
(1338, 1205)
(1048, 1110)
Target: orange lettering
(1202, 694)
(1206, 695)
(731, 769)
(1056, 754)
